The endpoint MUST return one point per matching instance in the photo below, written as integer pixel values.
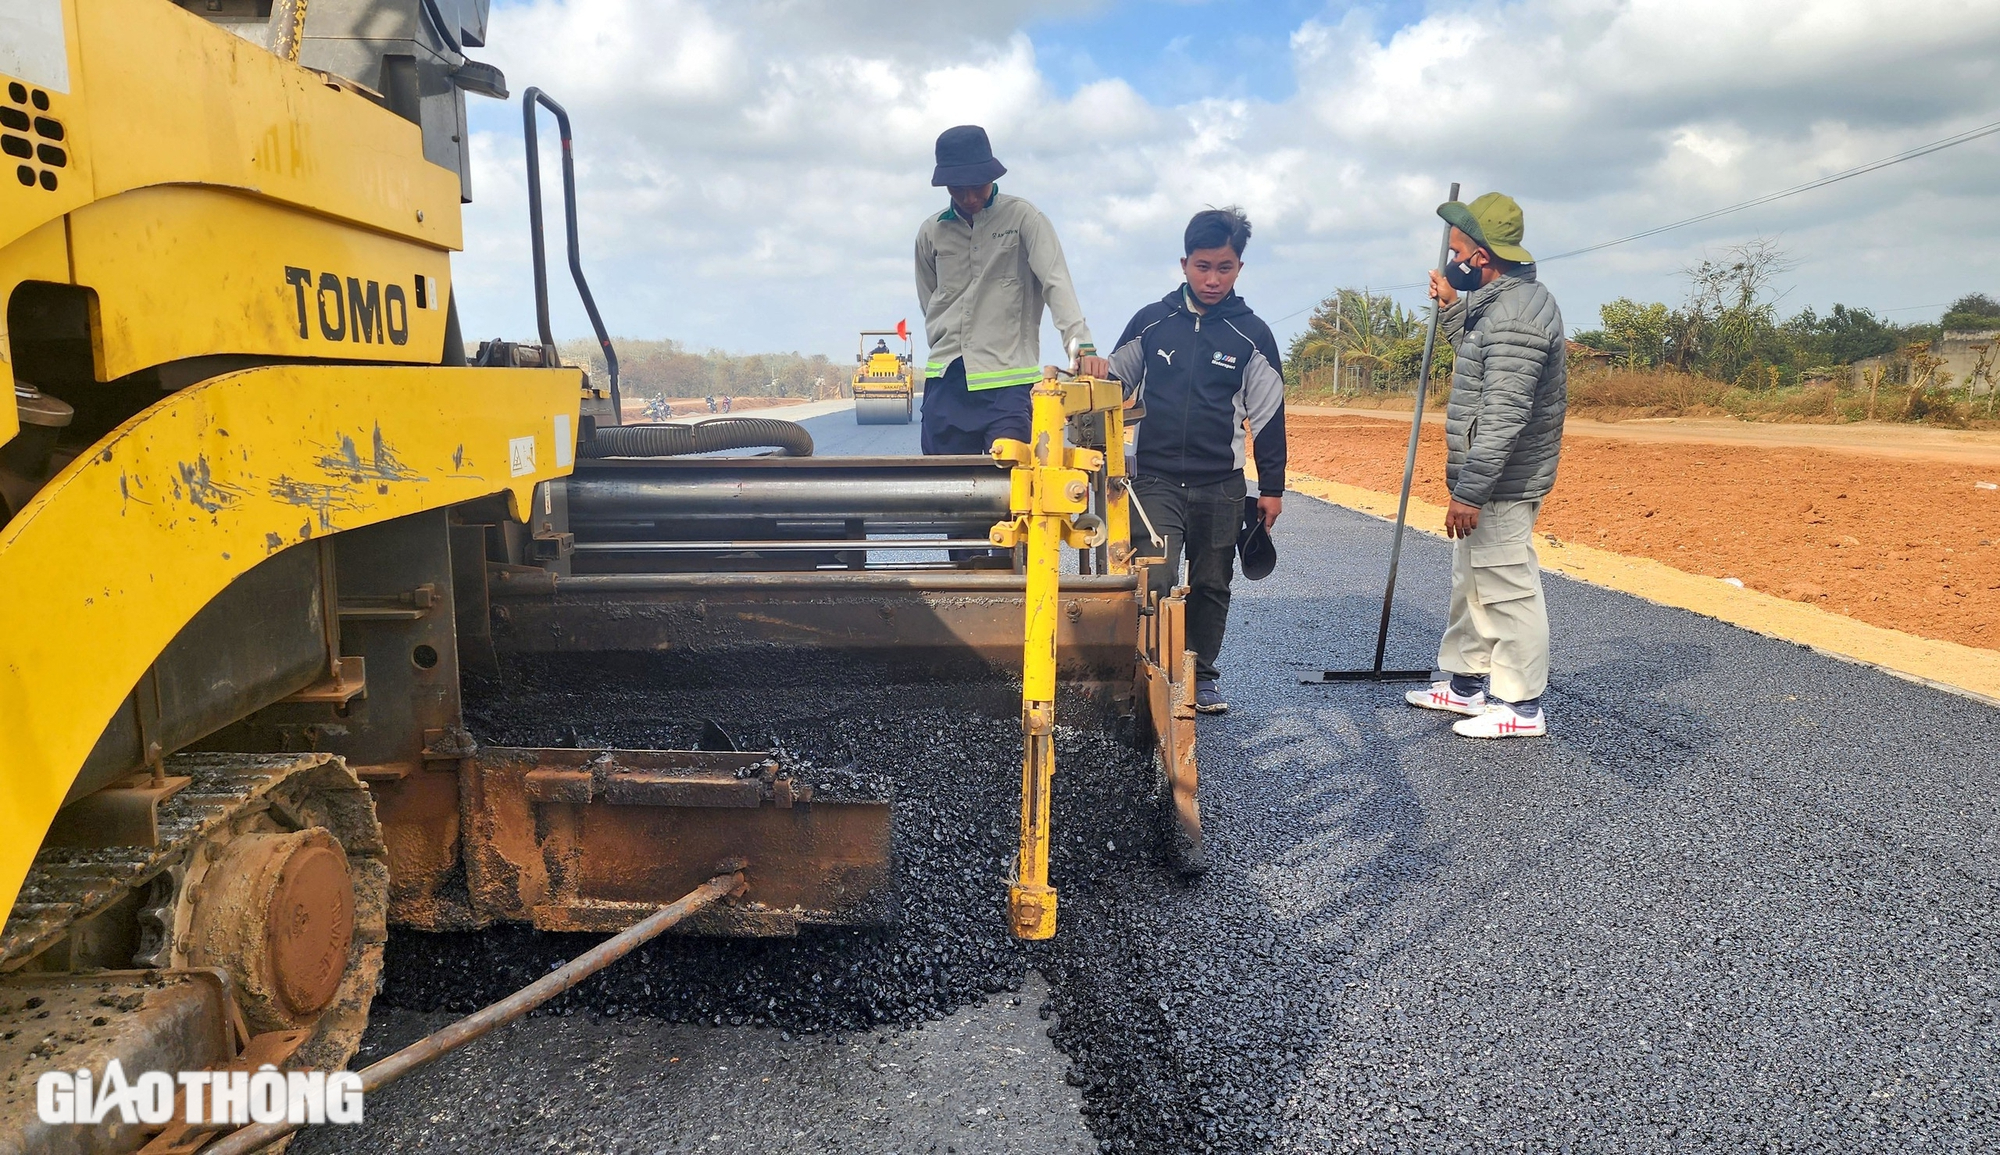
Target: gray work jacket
(1509, 390)
(982, 287)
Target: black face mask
(1461, 276)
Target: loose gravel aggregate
(946, 751)
(1742, 899)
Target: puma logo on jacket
(1197, 405)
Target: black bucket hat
(1254, 544)
(965, 158)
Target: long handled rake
(1376, 673)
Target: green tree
(1842, 337)
(1727, 324)
(1638, 331)
(1405, 359)
(1355, 327)
(1974, 311)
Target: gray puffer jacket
(1509, 389)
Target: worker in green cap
(1503, 439)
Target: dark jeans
(959, 420)
(1201, 521)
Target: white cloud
(753, 172)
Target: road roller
(884, 384)
(263, 516)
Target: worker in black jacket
(1207, 373)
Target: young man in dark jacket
(1207, 373)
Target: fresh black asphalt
(1742, 899)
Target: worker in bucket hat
(987, 266)
(1503, 440)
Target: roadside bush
(1628, 395)
(1819, 399)
(1637, 393)
(1934, 406)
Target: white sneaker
(1440, 697)
(1501, 721)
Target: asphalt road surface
(1742, 899)
(836, 435)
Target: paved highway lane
(836, 435)
(1743, 899)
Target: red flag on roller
(903, 329)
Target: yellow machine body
(212, 201)
(121, 550)
(207, 188)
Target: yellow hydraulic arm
(1051, 489)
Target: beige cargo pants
(1499, 624)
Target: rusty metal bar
(380, 1074)
(941, 581)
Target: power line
(1822, 182)
(1922, 150)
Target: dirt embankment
(1913, 545)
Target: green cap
(1494, 221)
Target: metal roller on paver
(885, 380)
(259, 512)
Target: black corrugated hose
(789, 438)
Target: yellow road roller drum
(884, 379)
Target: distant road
(836, 435)
(834, 431)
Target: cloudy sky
(754, 171)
